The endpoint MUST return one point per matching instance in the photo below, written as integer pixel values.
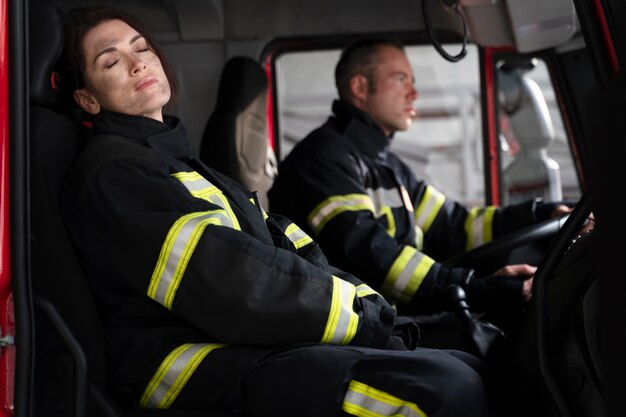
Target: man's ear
(359, 87)
(87, 101)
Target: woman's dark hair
(359, 58)
(85, 21)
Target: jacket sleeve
(448, 228)
(150, 235)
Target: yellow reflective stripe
(332, 206)
(179, 244)
(419, 238)
(173, 374)
(429, 207)
(297, 236)
(265, 216)
(200, 187)
(406, 274)
(342, 320)
(366, 401)
(479, 226)
(391, 221)
(364, 290)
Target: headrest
(46, 38)
(242, 80)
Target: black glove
(495, 294)
(543, 209)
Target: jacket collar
(167, 137)
(362, 131)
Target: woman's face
(122, 73)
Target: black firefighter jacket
(180, 257)
(374, 219)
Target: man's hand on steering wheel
(520, 270)
(510, 287)
(554, 210)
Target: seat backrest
(69, 336)
(236, 138)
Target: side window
(443, 146)
(535, 155)
(305, 89)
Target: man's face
(122, 73)
(391, 100)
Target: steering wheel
(530, 242)
(559, 344)
(540, 322)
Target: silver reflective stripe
(173, 374)
(194, 182)
(428, 208)
(200, 187)
(297, 236)
(364, 290)
(333, 206)
(179, 244)
(364, 400)
(479, 226)
(342, 320)
(385, 197)
(406, 274)
(385, 200)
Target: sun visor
(487, 22)
(527, 25)
(542, 24)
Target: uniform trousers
(319, 380)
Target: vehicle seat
(69, 346)
(236, 138)
(66, 319)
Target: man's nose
(413, 94)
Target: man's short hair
(359, 58)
